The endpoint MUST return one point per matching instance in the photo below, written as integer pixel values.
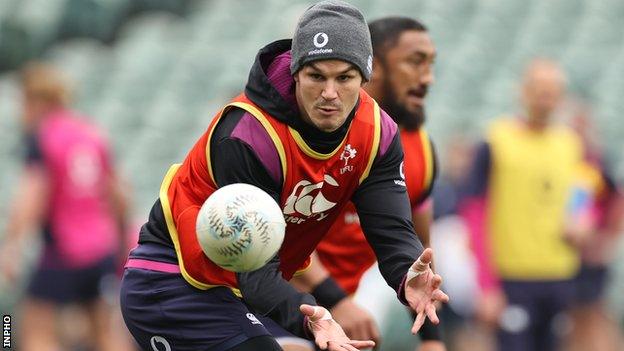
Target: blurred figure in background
(455, 166)
(518, 193)
(449, 235)
(596, 207)
(69, 192)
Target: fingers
(333, 346)
(439, 295)
(422, 264)
(426, 257)
(352, 345)
(323, 343)
(420, 320)
(374, 333)
(361, 344)
(431, 313)
(436, 282)
(363, 330)
(307, 310)
(315, 313)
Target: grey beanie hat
(332, 30)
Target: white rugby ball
(240, 227)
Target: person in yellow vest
(516, 208)
(598, 207)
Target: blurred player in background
(518, 195)
(404, 55)
(70, 193)
(450, 235)
(596, 210)
(302, 109)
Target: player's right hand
(356, 322)
(328, 334)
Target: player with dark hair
(302, 108)
(403, 58)
(402, 99)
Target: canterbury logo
(253, 319)
(307, 199)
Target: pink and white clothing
(80, 225)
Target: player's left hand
(422, 290)
(432, 345)
(328, 334)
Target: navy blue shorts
(590, 284)
(529, 321)
(163, 309)
(73, 285)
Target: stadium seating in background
(160, 76)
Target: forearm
(266, 292)
(386, 217)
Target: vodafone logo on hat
(320, 39)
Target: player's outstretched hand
(422, 290)
(328, 334)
